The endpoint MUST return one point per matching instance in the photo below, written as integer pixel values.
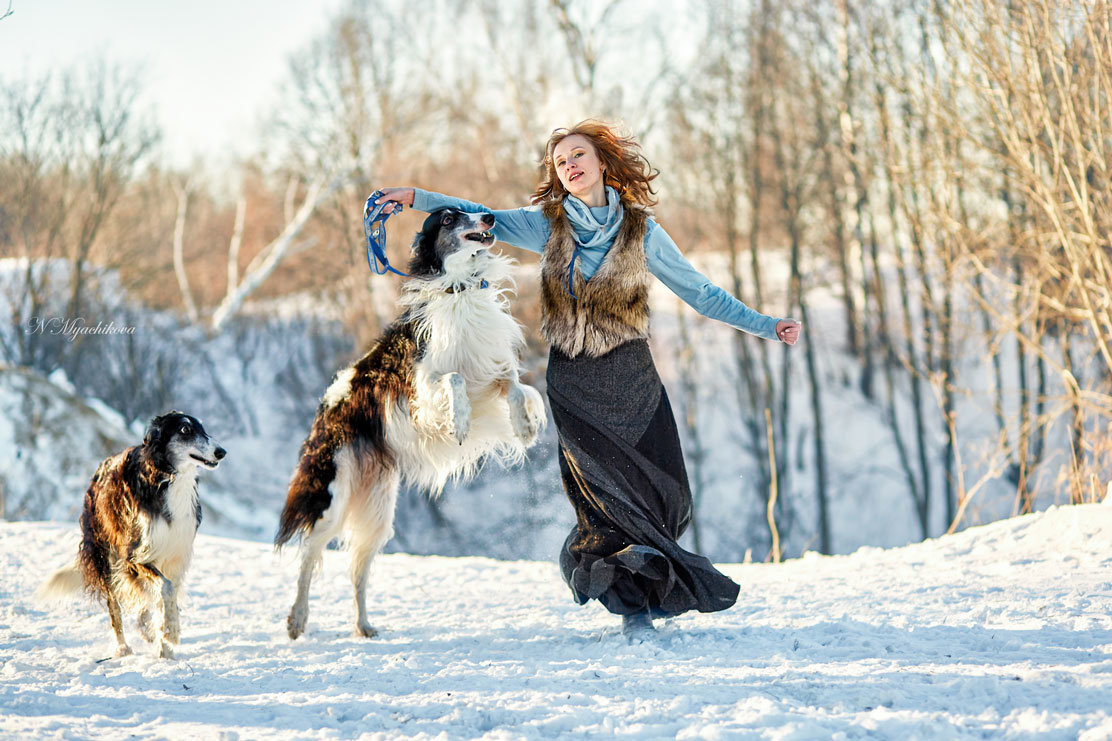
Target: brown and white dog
(139, 522)
(434, 396)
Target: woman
(619, 454)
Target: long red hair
(627, 170)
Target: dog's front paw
(171, 628)
(461, 425)
(295, 623)
(461, 407)
(526, 412)
(146, 626)
(122, 650)
(365, 629)
(167, 651)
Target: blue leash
(374, 226)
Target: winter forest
(924, 184)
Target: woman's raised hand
(404, 196)
(788, 331)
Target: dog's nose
(220, 453)
(487, 220)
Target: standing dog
(433, 396)
(137, 529)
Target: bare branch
(580, 42)
(179, 251)
(273, 254)
(237, 240)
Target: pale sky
(210, 67)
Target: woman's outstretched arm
(521, 227)
(668, 264)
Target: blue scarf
(587, 231)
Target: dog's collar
(461, 287)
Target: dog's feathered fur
(140, 518)
(435, 395)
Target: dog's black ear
(429, 229)
(425, 260)
(154, 430)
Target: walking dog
(434, 396)
(139, 521)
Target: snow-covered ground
(1001, 631)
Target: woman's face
(579, 169)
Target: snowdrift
(56, 440)
(1002, 631)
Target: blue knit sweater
(528, 229)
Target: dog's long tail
(62, 584)
(350, 414)
(308, 496)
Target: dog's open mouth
(204, 461)
(484, 238)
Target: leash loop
(374, 227)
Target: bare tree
(71, 144)
(583, 38)
(179, 251)
(795, 150)
(527, 64)
(1043, 72)
(114, 142)
(843, 188)
(919, 483)
(720, 130)
(268, 259)
(36, 190)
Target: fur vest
(613, 306)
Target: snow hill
(1001, 631)
(55, 439)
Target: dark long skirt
(622, 468)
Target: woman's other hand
(403, 196)
(788, 330)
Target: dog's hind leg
(361, 558)
(122, 649)
(312, 545)
(371, 526)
